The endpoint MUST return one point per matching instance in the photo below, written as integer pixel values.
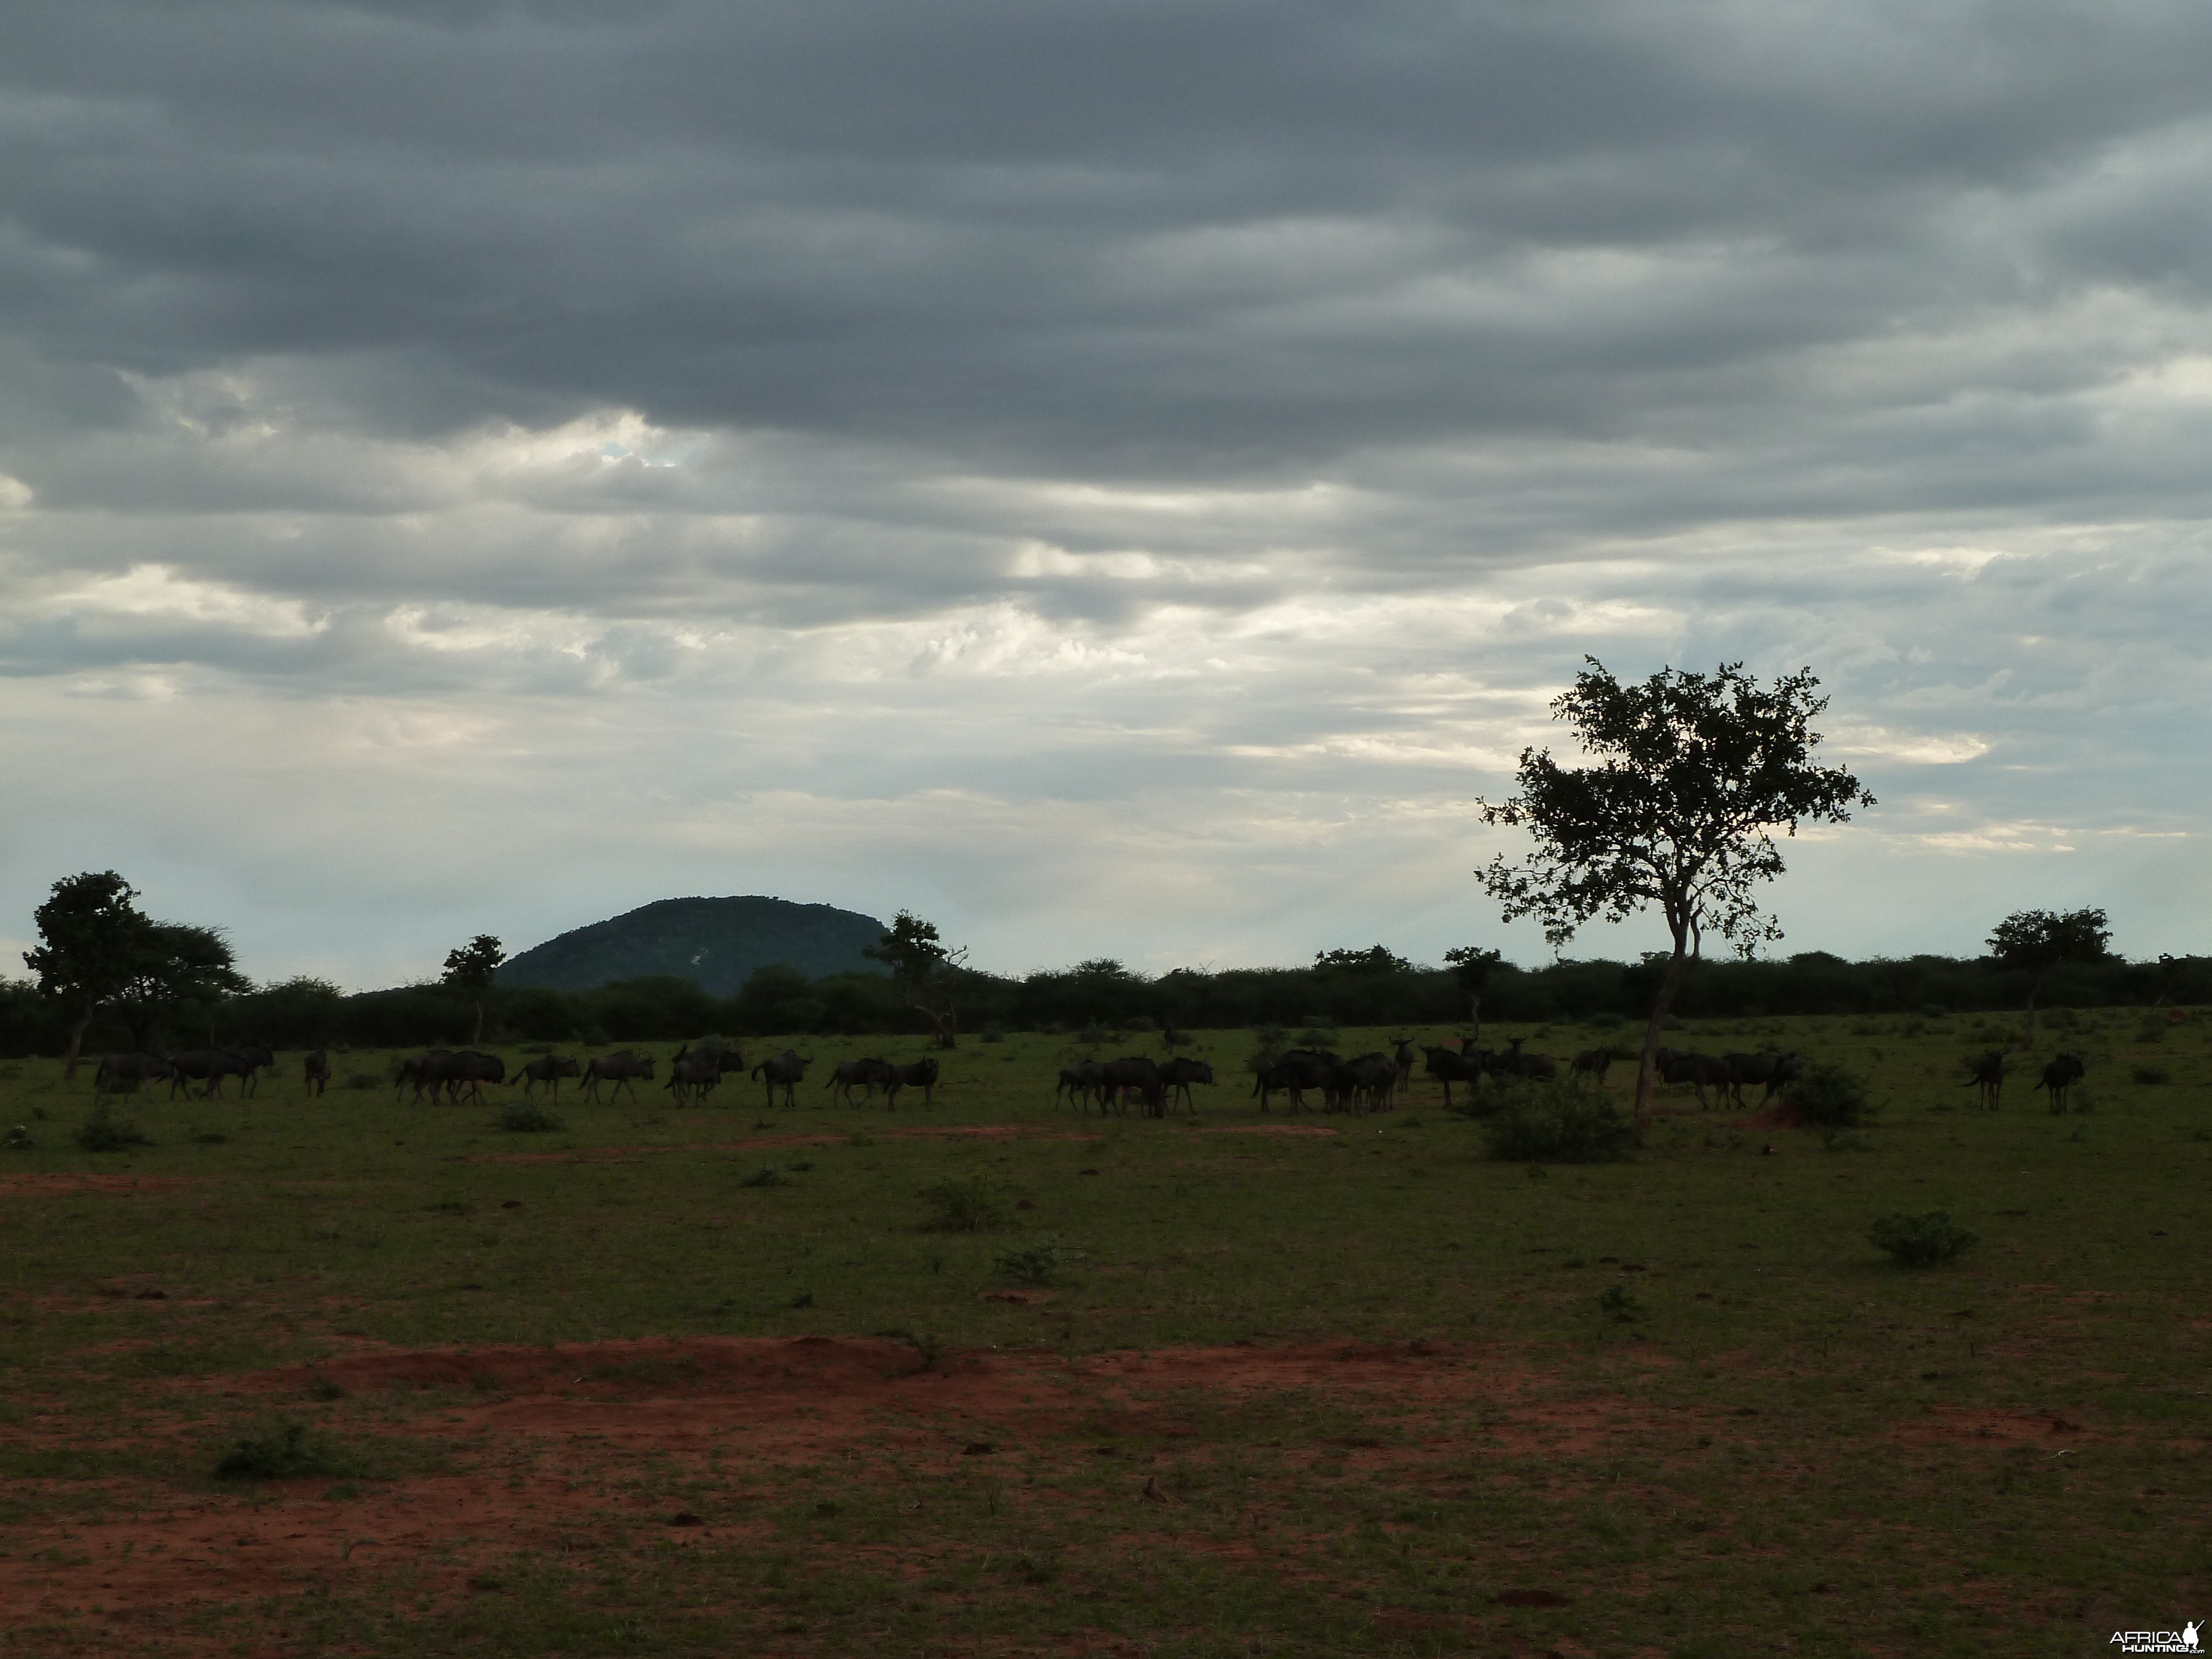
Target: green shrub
(528, 1117)
(19, 1138)
(1920, 1241)
(2151, 1074)
(364, 1080)
(1829, 1096)
(103, 1133)
(1558, 1122)
(766, 1176)
(965, 1207)
(1620, 1303)
(1034, 1264)
(287, 1456)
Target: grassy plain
(1352, 1390)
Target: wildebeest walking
(206, 1066)
(1367, 1081)
(786, 1071)
(1985, 1074)
(622, 1069)
(1698, 1071)
(1402, 1056)
(1137, 1071)
(1079, 1084)
(123, 1073)
(316, 1071)
(922, 1074)
(866, 1075)
(1776, 1071)
(256, 1056)
(1594, 1063)
(2060, 1075)
(548, 1069)
(1294, 1071)
(1179, 1073)
(445, 1070)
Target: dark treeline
(308, 1013)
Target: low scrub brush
(965, 1207)
(527, 1117)
(1920, 1241)
(105, 1133)
(1558, 1122)
(1831, 1096)
(287, 1456)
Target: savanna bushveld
(1677, 1331)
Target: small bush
(1620, 1303)
(1268, 1043)
(2151, 1074)
(1828, 1097)
(1034, 1264)
(965, 1207)
(363, 1080)
(993, 1034)
(1557, 1123)
(103, 1133)
(1138, 1022)
(287, 1456)
(1316, 1036)
(767, 1177)
(19, 1138)
(209, 1138)
(1920, 1241)
(1093, 1033)
(527, 1117)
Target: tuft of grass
(1558, 1122)
(768, 1175)
(972, 1205)
(105, 1133)
(19, 1138)
(528, 1117)
(2151, 1074)
(1619, 1301)
(287, 1456)
(1034, 1264)
(1920, 1241)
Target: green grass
(1766, 1378)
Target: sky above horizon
(1115, 480)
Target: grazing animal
(1137, 1072)
(1449, 1066)
(1514, 1063)
(622, 1069)
(1366, 1082)
(696, 1073)
(1295, 1071)
(123, 1073)
(1594, 1063)
(210, 1065)
(2060, 1075)
(786, 1071)
(1697, 1070)
(1078, 1083)
(452, 1072)
(866, 1074)
(548, 1069)
(316, 1073)
(1985, 1074)
(922, 1074)
(1775, 1071)
(1179, 1073)
(256, 1056)
(1402, 1056)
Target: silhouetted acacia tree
(2039, 940)
(1470, 965)
(99, 950)
(1690, 773)
(472, 968)
(924, 970)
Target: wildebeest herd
(1370, 1082)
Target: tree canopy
(1375, 959)
(922, 964)
(1691, 775)
(473, 966)
(99, 950)
(2036, 941)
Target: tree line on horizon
(1689, 778)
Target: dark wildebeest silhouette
(411, 1071)
(1985, 1074)
(1776, 1071)
(256, 1056)
(1699, 1071)
(316, 1071)
(452, 1072)
(786, 1071)
(2060, 1075)
(1366, 1082)
(623, 1069)
(1080, 1083)
(1137, 1072)
(1402, 1056)
(866, 1075)
(696, 1072)
(1514, 1063)
(548, 1069)
(1449, 1066)
(922, 1074)
(123, 1073)
(207, 1065)
(1594, 1063)
(1179, 1073)
(1295, 1072)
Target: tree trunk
(1474, 1014)
(476, 1036)
(1669, 982)
(2034, 986)
(76, 1044)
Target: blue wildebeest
(1776, 1071)
(1080, 1083)
(866, 1075)
(1137, 1072)
(2060, 1075)
(1985, 1074)
(622, 1069)
(920, 1074)
(548, 1069)
(1698, 1071)
(316, 1071)
(786, 1071)
(1449, 1066)
(123, 1073)
(210, 1066)
(1179, 1073)
(1594, 1063)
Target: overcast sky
(1116, 478)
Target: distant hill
(715, 943)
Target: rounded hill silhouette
(715, 943)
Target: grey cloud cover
(1116, 477)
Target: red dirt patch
(1968, 1425)
(1270, 1129)
(1783, 1114)
(624, 1154)
(121, 1185)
